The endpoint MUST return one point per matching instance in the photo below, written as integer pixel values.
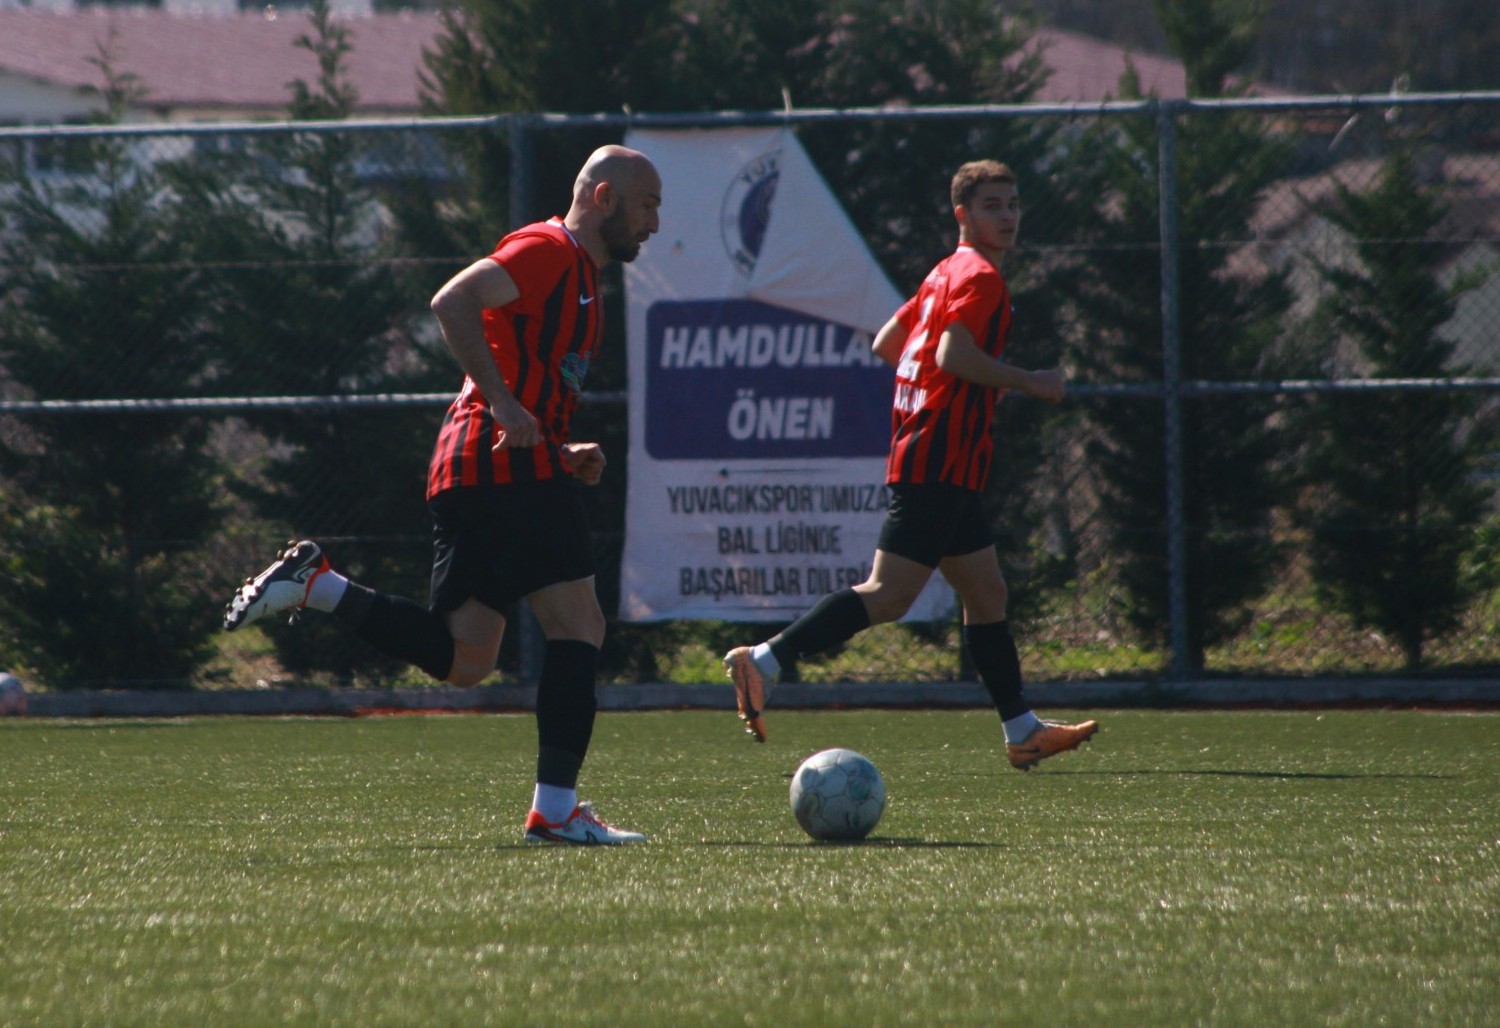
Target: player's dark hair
(975, 174)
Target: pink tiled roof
(1086, 69)
(241, 61)
(244, 61)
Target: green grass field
(1185, 868)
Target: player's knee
(463, 677)
(983, 603)
(471, 664)
(583, 622)
(585, 634)
(984, 611)
(888, 604)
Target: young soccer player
(523, 323)
(946, 344)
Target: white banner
(759, 418)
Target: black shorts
(929, 522)
(499, 543)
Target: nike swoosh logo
(584, 301)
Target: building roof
(1086, 69)
(1468, 193)
(241, 63)
(237, 62)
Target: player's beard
(619, 242)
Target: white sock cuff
(764, 659)
(554, 802)
(1020, 726)
(326, 589)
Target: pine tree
(103, 516)
(1398, 497)
(1231, 472)
(317, 312)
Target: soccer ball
(12, 695)
(838, 794)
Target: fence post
(1171, 348)
(521, 165)
(533, 646)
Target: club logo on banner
(759, 416)
(747, 209)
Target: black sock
(399, 628)
(565, 709)
(999, 665)
(835, 618)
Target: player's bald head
(615, 198)
(624, 169)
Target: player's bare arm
(459, 306)
(889, 342)
(586, 460)
(959, 355)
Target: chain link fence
(1280, 321)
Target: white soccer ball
(12, 695)
(838, 794)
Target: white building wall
(1474, 328)
(29, 102)
(200, 7)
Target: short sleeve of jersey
(906, 315)
(973, 300)
(534, 261)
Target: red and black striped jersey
(542, 342)
(940, 423)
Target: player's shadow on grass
(1230, 773)
(901, 843)
(879, 842)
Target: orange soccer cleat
(1048, 740)
(749, 690)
